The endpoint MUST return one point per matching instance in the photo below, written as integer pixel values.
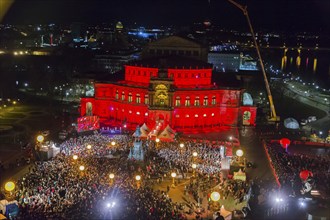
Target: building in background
(172, 87)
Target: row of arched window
(196, 101)
(130, 97)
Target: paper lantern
(285, 142)
(304, 174)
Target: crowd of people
(289, 165)
(208, 158)
(60, 189)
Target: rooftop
(175, 62)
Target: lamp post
(113, 143)
(40, 138)
(231, 141)
(157, 142)
(173, 175)
(75, 157)
(81, 168)
(181, 147)
(111, 176)
(215, 197)
(89, 146)
(239, 154)
(9, 186)
(194, 166)
(138, 178)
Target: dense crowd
(208, 159)
(58, 189)
(288, 167)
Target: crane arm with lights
(273, 116)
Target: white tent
(144, 132)
(168, 133)
(291, 123)
(145, 128)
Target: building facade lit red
(169, 90)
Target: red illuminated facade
(169, 90)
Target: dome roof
(291, 123)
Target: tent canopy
(291, 123)
(167, 134)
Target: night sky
(271, 14)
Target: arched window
(146, 99)
(117, 94)
(138, 98)
(123, 96)
(196, 103)
(130, 97)
(177, 101)
(214, 100)
(206, 100)
(187, 102)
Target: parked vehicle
(311, 118)
(303, 121)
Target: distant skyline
(271, 14)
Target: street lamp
(215, 196)
(195, 154)
(181, 145)
(194, 166)
(89, 146)
(173, 175)
(75, 157)
(113, 143)
(239, 153)
(138, 178)
(81, 168)
(9, 186)
(111, 176)
(40, 138)
(157, 141)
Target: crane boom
(273, 116)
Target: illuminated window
(138, 98)
(204, 115)
(177, 116)
(117, 94)
(146, 114)
(187, 102)
(123, 96)
(206, 100)
(196, 116)
(187, 116)
(146, 99)
(129, 97)
(214, 101)
(177, 101)
(130, 112)
(196, 103)
(138, 113)
(212, 114)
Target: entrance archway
(89, 109)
